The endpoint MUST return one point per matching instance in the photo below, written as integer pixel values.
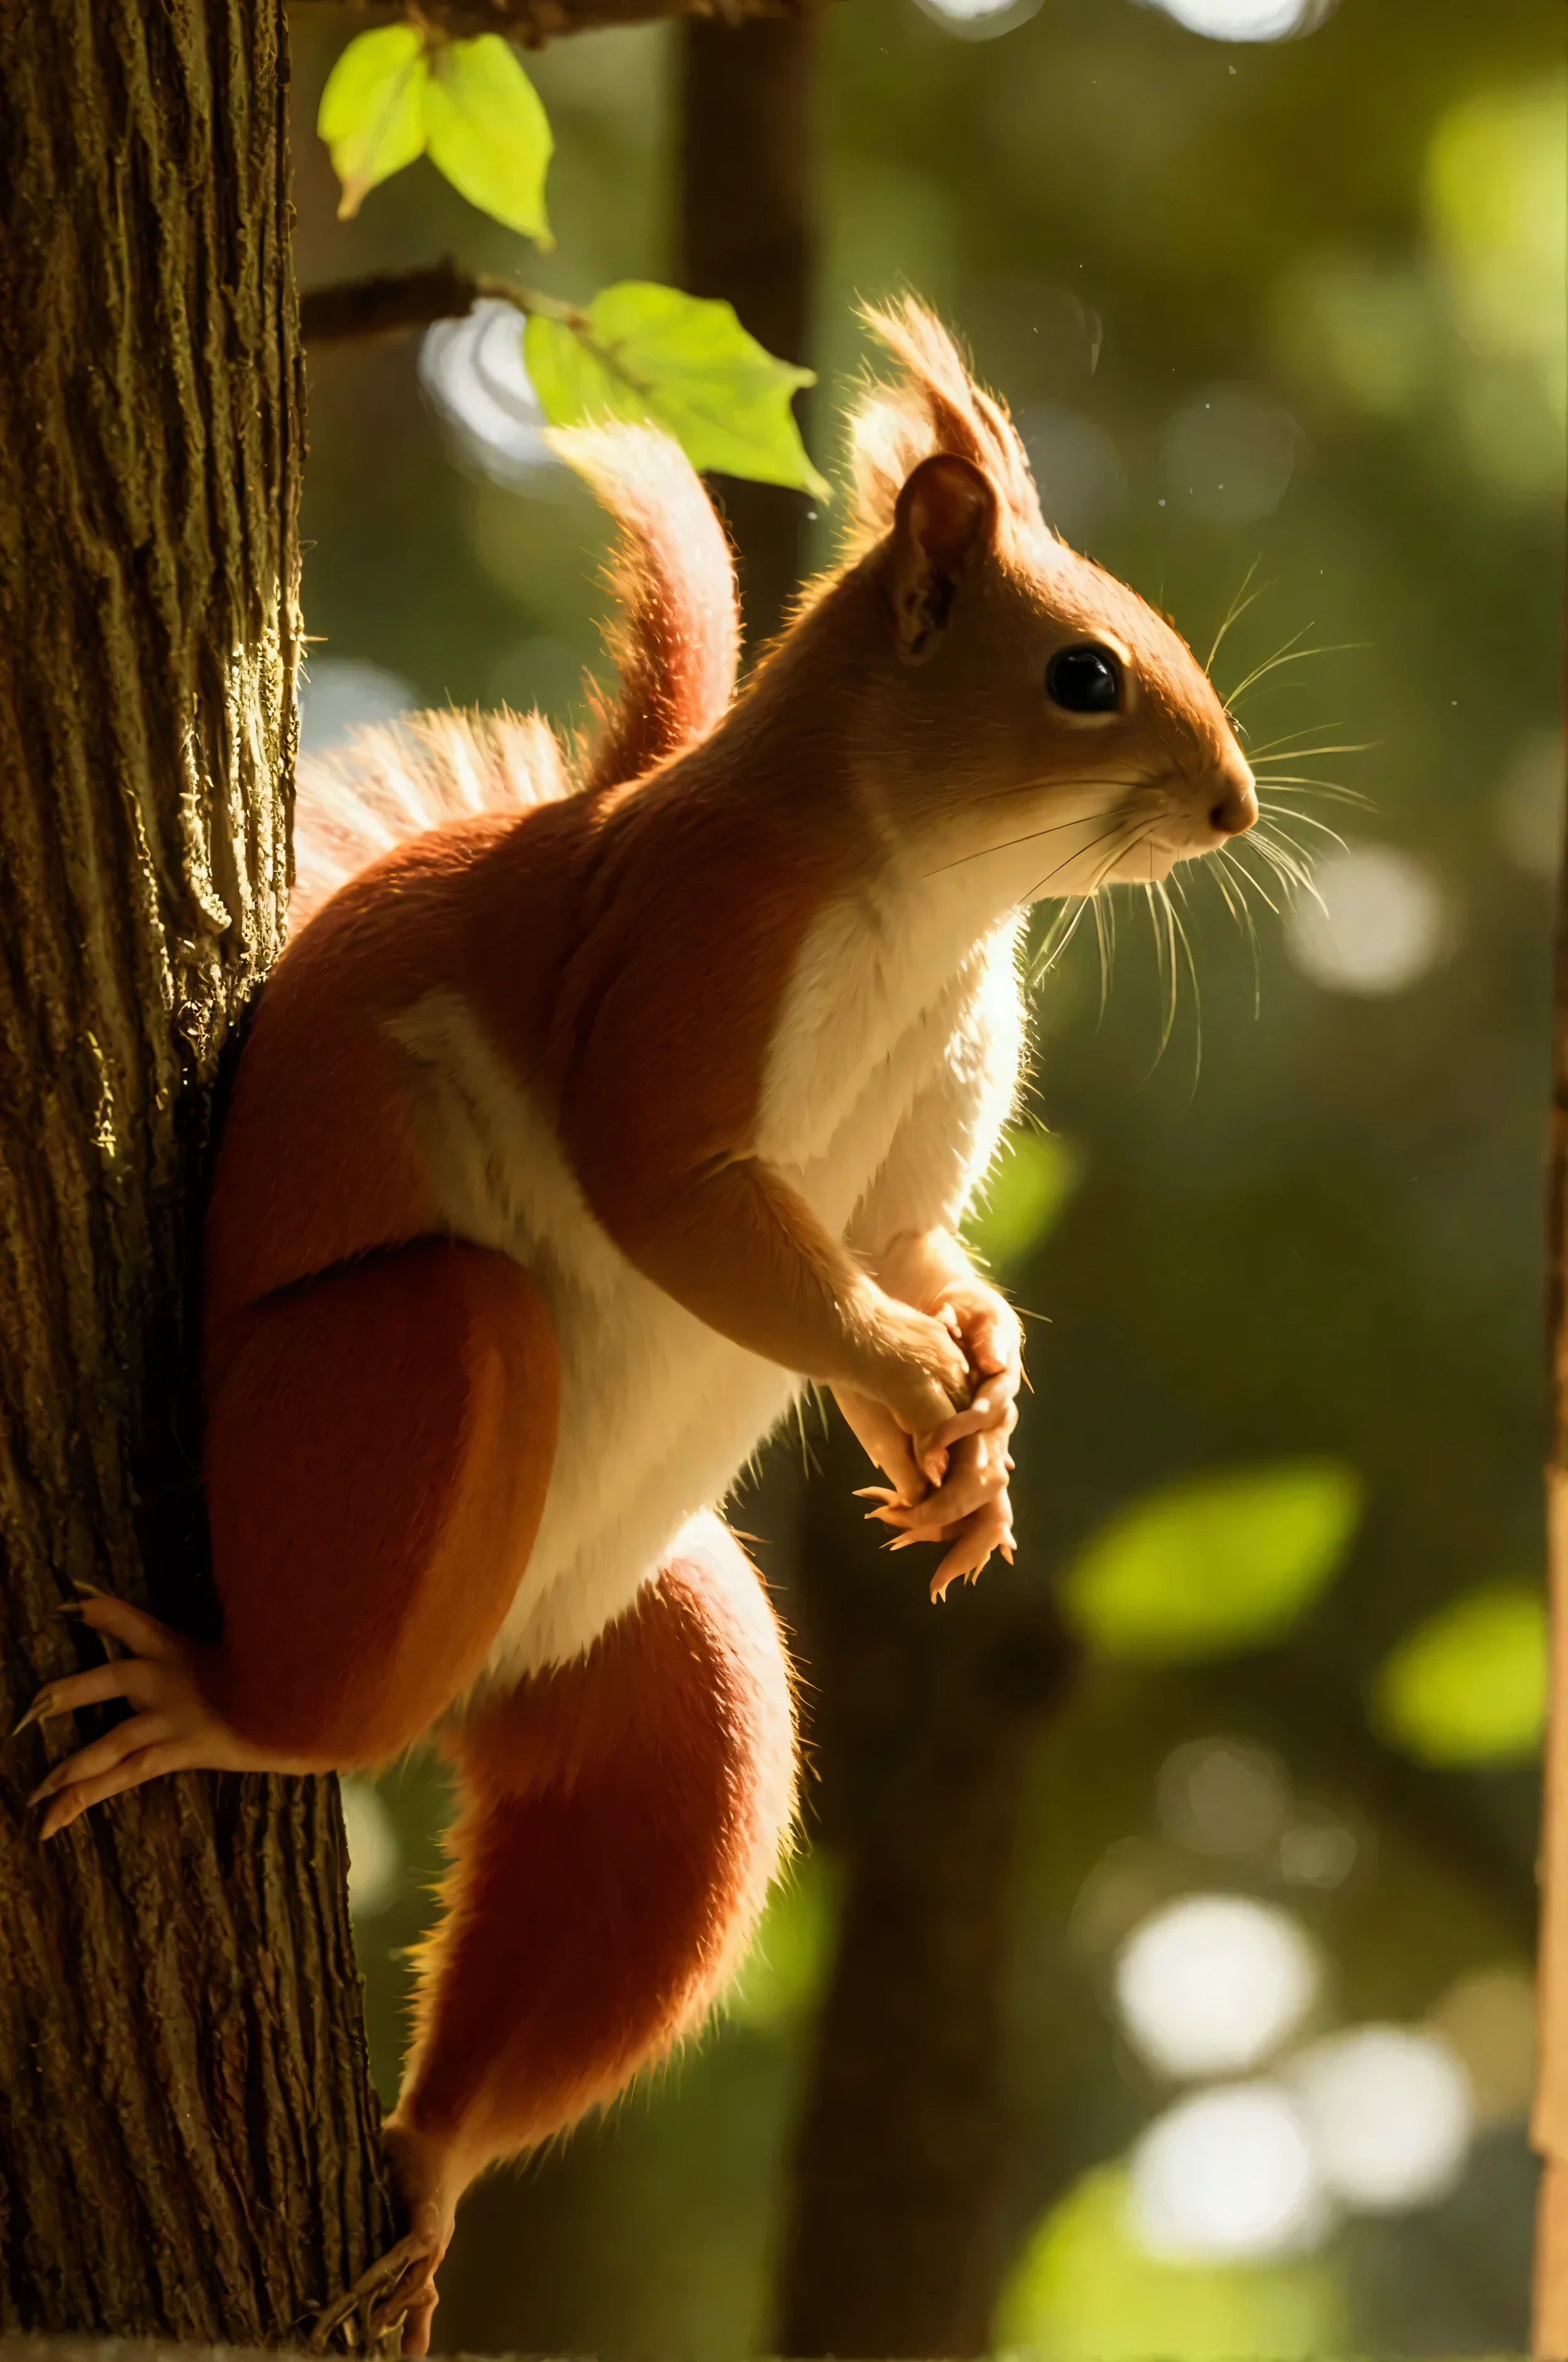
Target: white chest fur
(883, 1096)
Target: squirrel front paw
(918, 1373)
(971, 1511)
(949, 1484)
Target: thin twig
(412, 299)
(535, 22)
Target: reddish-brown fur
(383, 1406)
(378, 1451)
(382, 1396)
(611, 1825)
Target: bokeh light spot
(1079, 470)
(1317, 1851)
(1388, 2113)
(1246, 20)
(375, 1857)
(1230, 454)
(980, 20)
(1383, 922)
(1213, 1982)
(1218, 1796)
(1488, 2021)
(1529, 804)
(473, 371)
(338, 696)
(1227, 2173)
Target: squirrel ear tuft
(946, 515)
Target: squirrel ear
(946, 512)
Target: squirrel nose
(1237, 807)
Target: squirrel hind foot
(397, 2289)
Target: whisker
(1106, 942)
(1280, 841)
(1290, 654)
(1311, 754)
(1331, 790)
(1229, 853)
(1048, 779)
(1285, 737)
(1237, 905)
(1150, 885)
(1059, 935)
(1138, 833)
(1244, 598)
(1173, 981)
(1285, 864)
(1305, 820)
(1281, 655)
(1181, 934)
(1149, 890)
(1030, 836)
(1290, 871)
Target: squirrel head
(1022, 712)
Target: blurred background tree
(1157, 1974)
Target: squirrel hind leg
(624, 1817)
(379, 1449)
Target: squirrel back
(676, 643)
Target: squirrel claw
(371, 2295)
(40, 1708)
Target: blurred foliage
(1326, 1243)
(1083, 2291)
(1468, 1686)
(783, 1973)
(1024, 1198)
(1214, 1563)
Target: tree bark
(923, 1719)
(188, 2136)
(1549, 2124)
(748, 235)
(535, 22)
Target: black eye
(1083, 680)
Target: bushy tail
(676, 643)
(394, 782)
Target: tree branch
(535, 22)
(412, 299)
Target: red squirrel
(602, 1101)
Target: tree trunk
(748, 235)
(923, 1718)
(1550, 2125)
(188, 2136)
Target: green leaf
(372, 110)
(1215, 1564)
(486, 129)
(1468, 1686)
(1023, 1198)
(648, 354)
